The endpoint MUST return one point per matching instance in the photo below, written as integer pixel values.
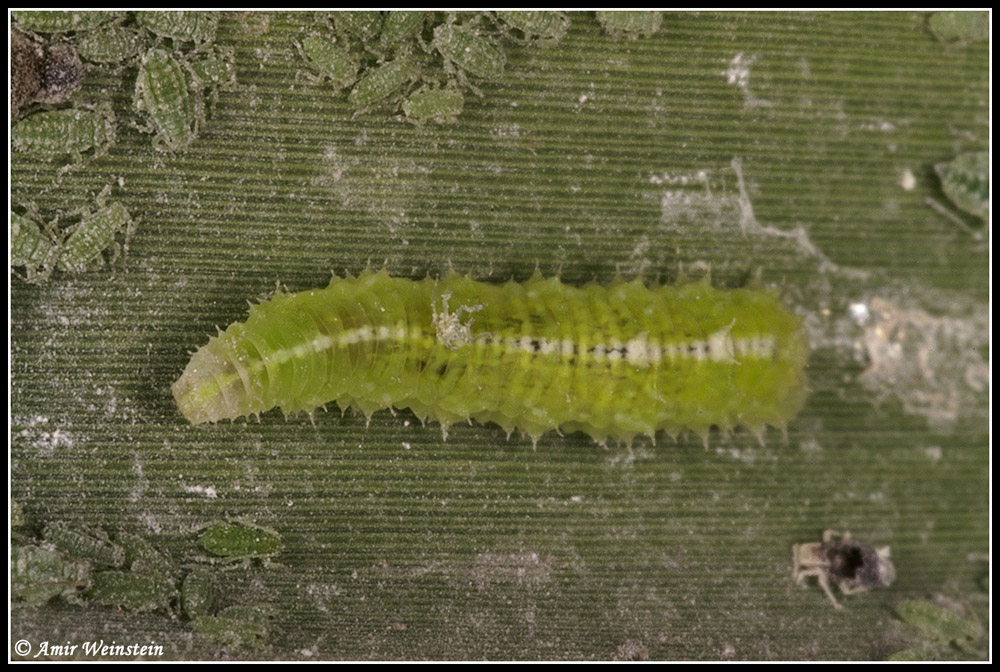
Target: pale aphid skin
(472, 54)
(113, 44)
(848, 564)
(966, 182)
(380, 83)
(31, 248)
(163, 93)
(197, 27)
(537, 25)
(630, 25)
(958, 27)
(198, 594)
(68, 132)
(132, 592)
(359, 25)
(331, 60)
(85, 544)
(39, 574)
(62, 22)
(612, 361)
(400, 26)
(92, 235)
(441, 106)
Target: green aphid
(235, 626)
(332, 61)
(630, 24)
(198, 595)
(163, 93)
(39, 574)
(66, 133)
(85, 544)
(966, 182)
(133, 592)
(239, 541)
(141, 557)
(938, 624)
(364, 26)
(62, 22)
(113, 44)
(400, 26)
(960, 27)
(380, 83)
(31, 248)
(214, 68)
(441, 106)
(467, 51)
(537, 25)
(95, 233)
(197, 27)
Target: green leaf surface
(590, 158)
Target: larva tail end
(198, 392)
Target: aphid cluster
(416, 62)
(850, 565)
(177, 70)
(39, 248)
(125, 571)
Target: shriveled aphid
(332, 61)
(234, 542)
(113, 44)
(38, 574)
(463, 49)
(141, 557)
(31, 248)
(441, 106)
(851, 566)
(378, 84)
(235, 627)
(132, 592)
(630, 25)
(363, 26)
(398, 27)
(95, 233)
(85, 544)
(536, 26)
(62, 22)
(960, 27)
(163, 93)
(198, 594)
(966, 182)
(197, 27)
(68, 133)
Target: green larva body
(612, 361)
(112, 44)
(332, 60)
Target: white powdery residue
(738, 74)
(750, 226)
(936, 366)
(209, 491)
(908, 181)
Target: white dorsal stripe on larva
(639, 351)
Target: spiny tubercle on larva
(612, 361)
